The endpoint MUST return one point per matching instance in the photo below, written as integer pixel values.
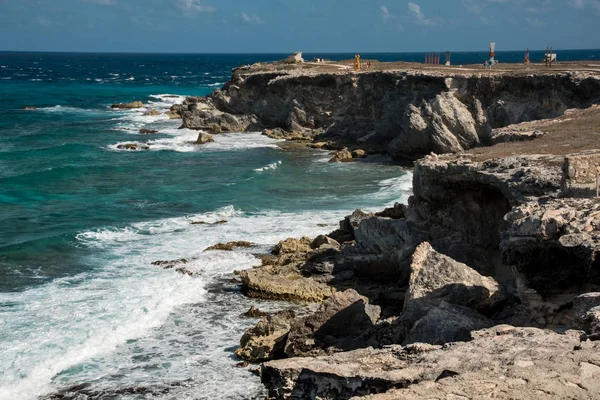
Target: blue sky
(227, 26)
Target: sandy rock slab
(502, 362)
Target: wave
(182, 141)
(215, 84)
(270, 167)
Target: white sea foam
(236, 141)
(215, 84)
(270, 167)
(126, 317)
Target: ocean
(83, 311)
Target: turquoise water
(81, 222)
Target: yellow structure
(357, 62)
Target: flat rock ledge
(502, 362)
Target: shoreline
(512, 208)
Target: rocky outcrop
(148, 131)
(544, 236)
(437, 279)
(338, 323)
(404, 113)
(126, 106)
(501, 362)
(266, 340)
(447, 323)
(204, 138)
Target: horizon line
(279, 53)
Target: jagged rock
(266, 340)
(173, 115)
(323, 240)
(229, 246)
(446, 323)
(342, 156)
(436, 278)
(501, 362)
(204, 138)
(133, 146)
(359, 154)
(382, 250)
(254, 312)
(292, 245)
(135, 104)
(152, 113)
(215, 121)
(148, 131)
(351, 222)
(338, 322)
(396, 212)
(273, 282)
(544, 236)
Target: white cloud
(385, 13)
(420, 17)
(583, 4)
(194, 6)
(252, 19)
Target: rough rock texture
(218, 122)
(344, 155)
(152, 113)
(501, 362)
(283, 283)
(580, 171)
(553, 244)
(135, 104)
(291, 245)
(204, 138)
(436, 278)
(446, 323)
(404, 113)
(266, 340)
(338, 322)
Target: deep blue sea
(81, 222)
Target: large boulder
(273, 282)
(337, 323)
(266, 340)
(343, 155)
(292, 245)
(214, 121)
(204, 138)
(436, 278)
(447, 323)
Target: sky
(286, 26)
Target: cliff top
(574, 132)
(346, 66)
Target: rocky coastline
(486, 284)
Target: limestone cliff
(404, 113)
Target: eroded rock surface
(501, 362)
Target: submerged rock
(148, 131)
(152, 113)
(133, 146)
(229, 246)
(254, 312)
